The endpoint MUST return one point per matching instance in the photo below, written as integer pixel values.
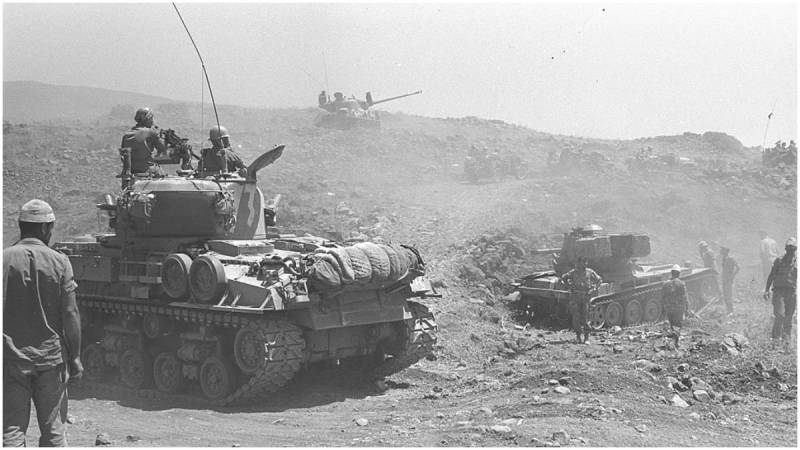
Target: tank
(631, 291)
(348, 113)
(192, 290)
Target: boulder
(102, 439)
(561, 436)
(678, 401)
(504, 429)
(701, 396)
(362, 422)
(562, 390)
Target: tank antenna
(213, 103)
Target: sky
(605, 70)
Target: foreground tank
(349, 113)
(194, 292)
(630, 293)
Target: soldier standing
(582, 282)
(783, 280)
(142, 139)
(707, 255)
(729, 270)
(769, 252)
(675, 301)
(41, 331)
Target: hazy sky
(612, 70)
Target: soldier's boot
(586, 337)
(579, 337)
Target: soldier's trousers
(580, 314)
(49, 395)
(784, 302)
(727, 294)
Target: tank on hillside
(195, 292)
(631, 291)
(348, 113)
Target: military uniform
(36, 281)
(709, 259)
(729, 270)
(213, 160)
(784, 294)
(142, 141)
(580, 283)
(675, 301)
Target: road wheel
(597, 316)
(613, 314)
(94, 362)
(652, 310)
(249, 349)
(167, 373)
(633, 312)
(135, 368)
(216, 378)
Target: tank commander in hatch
(141, 140)
(221, 157)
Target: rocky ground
(495, 380)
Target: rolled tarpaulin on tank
(343, 263)
(362, 269)
(378, 260)
(395, 269)
(326, 270)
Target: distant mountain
(31, 101)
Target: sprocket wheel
(418, 340)
(249, 349)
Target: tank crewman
(707, 255)
(41, 331)
(768, 251)
(582, 282)
(675, 301)
(783, 280)
(142, 139)
(322, 99)
(729, 268)
(221, 157)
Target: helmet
(217, 133)
(791, 242)
(142, 114)
(702, 244)
(36, 211)
(675, 268)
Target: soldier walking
(783, 280)
(41, 331)
(675, 302)
(582, 283)
(729, 270)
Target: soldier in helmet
(221, 157)
(675, 301)
(783, 281)
(142, 139)
(707, 255)
(582, 283)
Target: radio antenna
(213, 103)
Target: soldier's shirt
(142, 141)
(674, 292)
(729, 267)
(581, 280)
(784, 272)
(36, 279)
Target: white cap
(36, 211)
(676, 268)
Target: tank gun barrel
(371, 103)
(545, 251)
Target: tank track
(283, 341)
(419, 339)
